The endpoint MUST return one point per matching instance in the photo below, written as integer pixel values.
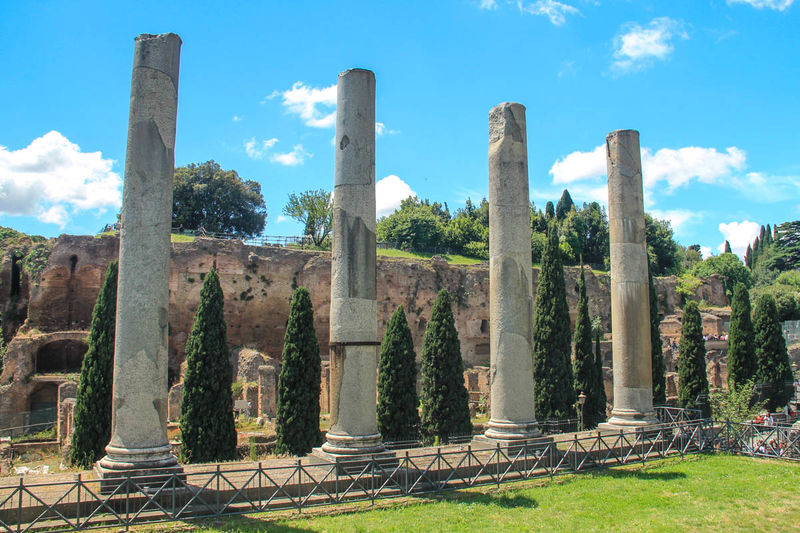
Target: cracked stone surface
(139, 430)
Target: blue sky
(712, 86)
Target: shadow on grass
(246, 524)
(506, 500)
(647, 475)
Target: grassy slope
(452, 259)
(705, 493)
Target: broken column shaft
(510, 287)
(630, 301)
(139, 444)
(353, 316)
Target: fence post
(498, 465)
(258, 495)
(218, 510)
(19, 507)
(405, 474)
(78, 502)
(299, 486)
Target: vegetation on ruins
(692, 379)
(602, 399)
(774, 371)
(297, 420)
(219, 201)
(444, 398)
(729, 267)
(736, 404)
(398, 418)
(92, 419)
(741, 348)
(658, 368)
(314, 209)
(584, 366)
(552, 371)
(207, 426)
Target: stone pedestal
(510, 288)
(353, 315)
(139, 445)
(630, 302)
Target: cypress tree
(727, 248)
(445, 401)
(657, 352)
(774, 372)
(93, 402)
(297, 420)
(692, 378)
(748, 257)
(584, 367)
(768, 235)
(564, 205)
(741, 349)
(602, 399)
(549, 210)
(552, 371)
(398, 418)
(208, 432)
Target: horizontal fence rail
(234, 489)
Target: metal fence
(236, 489)
(28, 422)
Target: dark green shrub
(398, 418)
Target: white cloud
(488, 4)
(311, 104)
(638, 47)
(296, 157)
(270, 96)
(760, 187)
(739, 235)
(236, 118)
(679, 219)
(280, 218)
(705, 252)
(381, 129)
(255, 149)
(556, 11)
(678, 167)
(51, 177)
(777, 5)
(389, 192)
(579, 166)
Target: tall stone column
(139, 444)
(354, 312)
(630, 301)
(510, 288)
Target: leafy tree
(398, 418)
(297, 420)
(602, 399)
(595, 247)
(217, 200)
(658, 367)
(729, 267)
(741, 350)
(736, 404)
(415, 225)
(314, 209)
(552, 371)
(691, 256)
(661, 247)
(692, 379)
(444, 398)
(207, 427)
(584, 366)
(787, 242)
(774, 371)
(92, 418)
(468, 231)
(538, 243)
(564, 206)
(727, 248)
(549, 210)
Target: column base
(629, 420)
(151, 468)
(353, 453)
(512, 436)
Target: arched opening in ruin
(43, 403)
(73, 262)
(64, 356)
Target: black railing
(233, 489)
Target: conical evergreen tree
(445, 401)
(584, 367)
(602, 399)
(658, 366)
(768, 235)
(741, 347)
(549, 210)
(692, 379)
(92, 418)
(398, 418)
(297, 421)
(208, 432)
(564, 205)
(774, 372)
(748, 257)
(727, 248)
(552, 371)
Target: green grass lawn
(452, 259)
(698, 493)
